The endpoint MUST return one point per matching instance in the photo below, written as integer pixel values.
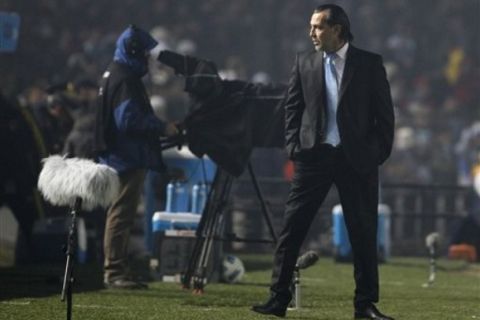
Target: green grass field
(327, 287)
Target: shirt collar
(342, 52)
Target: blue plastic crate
(162, 221)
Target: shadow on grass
(257, 262)
(253, 284)
(35, 281)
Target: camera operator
(127, 139)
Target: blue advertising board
(9, 31)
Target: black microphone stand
(305, 261)
(295, 289)
(433, 264)
(68, 278)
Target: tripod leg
(219, 200)
(205, 222)
(265, 210)
(198, 276)
(188, 273)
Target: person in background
(79, 142)
(127, 138)
(339, 126)
(23, 148)
(54, 117)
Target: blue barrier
(341, 242)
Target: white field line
(17, 303)
(388, 283)
(97, 306)
(84, 306)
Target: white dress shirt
(339, 62)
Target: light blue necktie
(331, 82)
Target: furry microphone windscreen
(307, 259)
(63, 180)
(432, 239)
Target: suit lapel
(316, 77)
(350, 65)
(317, 67)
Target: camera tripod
(211, 225)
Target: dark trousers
(119, 223)
(315, 172)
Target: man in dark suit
(339, 125)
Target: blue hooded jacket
(138, 63)
(127, 131)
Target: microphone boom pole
(80, 184)
(68, 278)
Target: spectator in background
(79, 142)
(54, 118)
(450, 99)
(22, 150)
(127, 139)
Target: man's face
(146, 57)
(324, 37)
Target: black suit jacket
(365, 114)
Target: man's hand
(171, 129)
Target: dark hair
(337, 16)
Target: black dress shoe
(370, 312)
(273, 307)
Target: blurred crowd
(431, 51)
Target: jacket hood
(138, 62)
